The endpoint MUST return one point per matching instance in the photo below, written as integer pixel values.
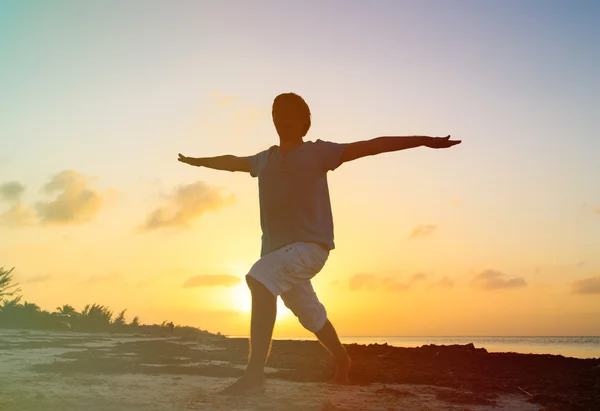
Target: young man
(297, 227)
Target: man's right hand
(184, 159)
(440, 142)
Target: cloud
(187, 203)
(590, 209)
(444, 283)
(16, 216)
(362, 281)
(75, 203)
(222, 99)
(586, 286)
(365, 281)
(11, 190)
(394, 284)
(563, 269)
(211, 281)
(493, 280)
(230, 115)
(418, 277)
(422, 231)
(42, 278)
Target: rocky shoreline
(555, 381)
(459, 374)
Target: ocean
(578, 347)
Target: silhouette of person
(297, 228)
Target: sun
(240, 300)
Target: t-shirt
(293, 193)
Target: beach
(45, 370)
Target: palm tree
(31, 308)
(66, 310)
(20, 315)
(96, 317)
(120, 320)
(7, 289)
(135, 322)
(9, 311)
(9, 306)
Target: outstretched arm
(385, 144)
(228, 162)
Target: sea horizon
(568, 346)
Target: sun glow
(240, 300)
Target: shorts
(287, 272)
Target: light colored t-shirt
(293, 193)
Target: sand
(91, 372)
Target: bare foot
(341, 374)
(245, 386)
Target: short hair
(292, 101)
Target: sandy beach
(41, 370)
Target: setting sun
(238, 298)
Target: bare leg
(264, 312)
(329, 338)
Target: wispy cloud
(11, 190)
(494, 280)
(211, 281)
(75, 202)
(17, 215)
(586, 286)
(365, 281)
(221, 99)
(456, 202)
(230, 115)
(395, 284)
(42, 278)
(418, 277)
(568, 268)
(445, 282)
(187, 203)
(589, 208)
(422, 230)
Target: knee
(313, 319)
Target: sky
(497, 236)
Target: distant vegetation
(93, 318)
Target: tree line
(17, 313)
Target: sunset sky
(497, 236)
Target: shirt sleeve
(331, 154)
(257, 162)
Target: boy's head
(291, 116)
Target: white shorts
(287, 272)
